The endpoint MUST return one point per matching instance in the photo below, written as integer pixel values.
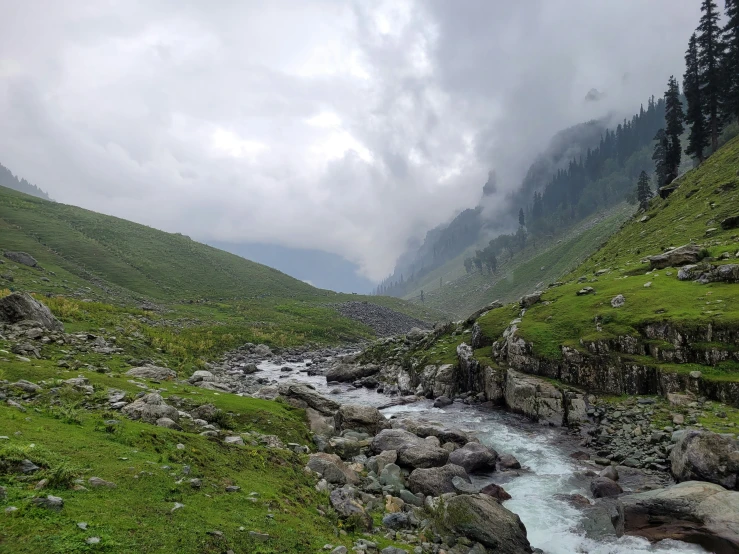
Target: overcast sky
(349, 126)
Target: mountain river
(552, 523)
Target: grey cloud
(349, 127)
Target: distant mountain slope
(108, 259)
(7, 179)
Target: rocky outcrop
(709, 273)
(21, 306)
(530, 299)
(682, 255)
(693, 511)
(542, 401)
(22, 258)
(483, 520)
(383, 321)
(706, 456)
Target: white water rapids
(552, 524)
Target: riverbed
(553, 524)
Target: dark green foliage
(730, 66)
(698, 140)
(674, 128)
(643, 191)
(709, 60)
(521, 218)
(659, 158)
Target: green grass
(704, 198)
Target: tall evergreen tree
(643, 191)
(698, 140)
(521, 218)
(730, 68)
(659, 157)
(673, 129)
(709, 60)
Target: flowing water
(552, 523)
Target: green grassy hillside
(693, 213)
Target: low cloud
(347, 127)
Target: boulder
(705, 456)
(168, 424)
(585, 290)
(378, 463)
(21, 306)
(348, 373)
(208, 412)
(442, 402)
(150, 408)
(496, 491)
(692, 511)
(731, 222)
(155, 373)
(609, 472)
(321, 425)
(394, 439)
(603, 487)
(307, 396)
(365, 419)
(331, 468)
(480, 518)
(426, 429)
(474, 457)
(618, 301)
(530, 299)
(345, 502)
(687, 254)
(201, 375)
(422, 456)
(22, 258)
(54, 503)
(508, 461)
(435, 481)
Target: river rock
(442, 402)
(705, 456)
(321, 425)
(346, 503)
(365, 419)
(394, 439)
(610, 472)
(308, 397)
(331, 468)
(693, 511)
(481, 519)
(474, 457)
(435, 481)
(348, 373)
(687, 254)
(392, 476)
(508, 461)
(603, 487)
(377, 463)
(423, 455)
(150, 408)
(23, 258)
(496, 491)
(201, 375)
(21, 306)
(155, 373)
(426, 429)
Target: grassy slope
(705, 197)
(70, 442)
(463, 293)
(97, 257)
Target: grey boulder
(21, 306)
(474, 457)
(705, 456)
(365, 419)
(435, 481)
(150, 408)
(155, 373)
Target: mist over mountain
(7, 179)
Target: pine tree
(698, 140)
(730, 69)
(674, 128)
(659, 157)
(643, 191)
(709, 62)
(521, 218)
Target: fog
(347, 127)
